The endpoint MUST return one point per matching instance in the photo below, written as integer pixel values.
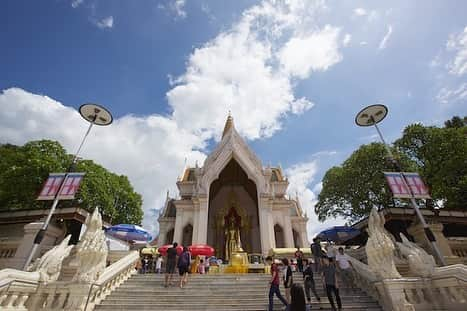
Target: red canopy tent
(201, 250)
(163, 249)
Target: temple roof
(228, 125)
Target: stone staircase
(217, 292)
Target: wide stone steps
(246, 292)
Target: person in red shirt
(274, 289)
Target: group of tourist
(329, 264)
(182, 263)
(149, 264)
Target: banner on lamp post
(53, 185)
(399, 189)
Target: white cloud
(249, 70)
(301, 177)
(359, 12)
(76, 3)
(384, 41)
(178, 6)
(346, 40)
(149, 150)
(315, 52)
(241, 69)
(107, 22)
(448, 95)
(175, 7)
(458, 44)
(363, 43)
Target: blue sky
(293, 73)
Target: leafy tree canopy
(23, 170)
(438, 154)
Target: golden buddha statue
(232, 237)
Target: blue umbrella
(338, 234)
(129, 232)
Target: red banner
(54, 182)
(402, 188)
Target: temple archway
(187, 236)
(279, 236)
(169, 238)
(233, 190)
(296, 238)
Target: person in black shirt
(288, 278)
(309, 282)
(317, 253)
(171, 263)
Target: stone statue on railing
(420, 262)
(50, 264)
(91, 250)
(380, 248)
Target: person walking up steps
(171, 263)
(317, 254)
(183, 266)
(299, 257)
(310, 283)
(344, 267)
(297, 302)
(330, 283)
(288, 278)
(274, 289)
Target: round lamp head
(96, 114)
(371, 115)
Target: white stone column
(304, 235)
(162, 234)
(178, 231)
(288, 234)
(195, 221)
(266, 224)
(202, 232)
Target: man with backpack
(184, 261)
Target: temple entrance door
(296, 239)
(279, 236)
(233, 194)
(187, 235)
(169, 238)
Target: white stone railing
(16, 287)
(446, 289)
(113, 277)
(21, 290)
(84, 296)
(458, 246)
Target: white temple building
(233, 188)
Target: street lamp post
(371, 116)
(94, 114)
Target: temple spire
(228, 125)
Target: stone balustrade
(21, 290)
(458, 246)
(446, 289)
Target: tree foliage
(441, 157)
(438, 154)
(352, 189)
(23, 170)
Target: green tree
(441, 157)
(351, 190)
(24, 169)
(438, 154)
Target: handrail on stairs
(106, 276)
